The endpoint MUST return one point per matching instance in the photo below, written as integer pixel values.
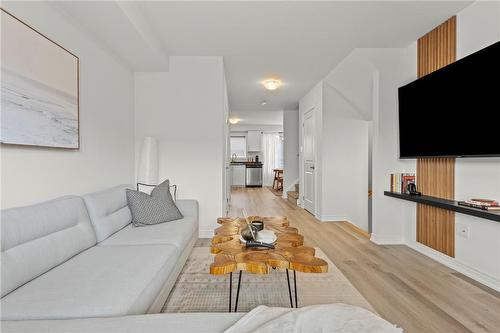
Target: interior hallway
(405, 287)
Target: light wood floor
(405, 287)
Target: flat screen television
(454, 111)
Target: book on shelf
(495, 204)
(400, 181)
(484, 202)
(480, 204)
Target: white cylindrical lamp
(148, 162)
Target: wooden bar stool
(278, 179)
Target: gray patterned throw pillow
(152, 209)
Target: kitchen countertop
(246, 163)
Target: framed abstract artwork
(39, 88)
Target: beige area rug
(198, 291)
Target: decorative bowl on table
(259, 225)
(264, 236)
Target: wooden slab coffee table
(289, 253)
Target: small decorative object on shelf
(400, 183)
(411, 189)
(484, 204)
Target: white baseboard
(452, 263)
(386, 239)
(333, 218)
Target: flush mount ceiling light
(234, 121)
(271, 84)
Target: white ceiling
(258, 117)
(298, 42)
(120, 27)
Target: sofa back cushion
(108, 210)
(39, 237)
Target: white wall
(256, 127)
(290, 150)
(352, 81)
(106, 156)
(394, 221)
(257, 117)
(345, 161)
(347, 136)
(361, 88)
(394, 68)
(341, 139)
(184, 110)
(477, 27)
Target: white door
(226, 153)
(227, 167)
(309, 158)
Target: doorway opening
(258, 151)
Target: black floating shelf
(447, 204)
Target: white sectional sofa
(80, 257)
(150, 323)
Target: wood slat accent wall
(437, 48)
(436, 176)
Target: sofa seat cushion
(178, 233)
(99, 282)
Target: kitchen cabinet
(254, 141)
(238, 175)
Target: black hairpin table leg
(237, 293)
(230, 289)
(295, 288)
(289, 289)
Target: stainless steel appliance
(253, 175)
